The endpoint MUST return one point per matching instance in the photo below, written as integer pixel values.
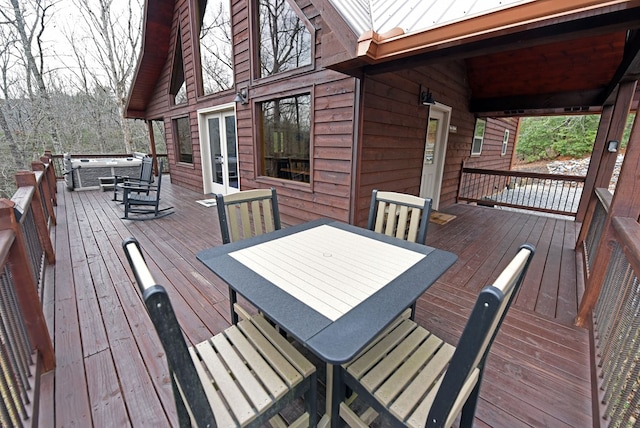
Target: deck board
(111, 369)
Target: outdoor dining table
(331, 286)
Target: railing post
(27, 290)
(47, 159)
(46, 188)
(27, 178)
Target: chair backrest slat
(400, 215)
(247, 213)
(146, 169)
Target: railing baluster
(616, 320)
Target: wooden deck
(110, 366)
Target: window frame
(505, 143)
(259, 150)
(255, 41)
(176, 140)
(476, 137)
(177, 66)
(198, 52)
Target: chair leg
(232, 301)
(337, 395)
(311, 400)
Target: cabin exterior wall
(366, 133)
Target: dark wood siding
(394, 130)
(491, 157)
(345, 166)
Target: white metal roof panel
(413, 15)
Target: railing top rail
(23, 197)
(502, 172)
(604, 196)
(628, 232)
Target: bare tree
(28, 20)
(114, 36)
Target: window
(216, 60)
(505, 142)
(285, 41)
(478, 136)
(285, 138)
(182, 133)
(178, 88)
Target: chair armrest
(141, 188)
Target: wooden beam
(629, 68)
(592, 173)
(579, 99)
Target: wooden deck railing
(549, 193)
(616, 321)
(26, 348)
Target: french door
(221, 175)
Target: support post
(152, 146)
(46, 188)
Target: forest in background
(547, 138)
(65, 70)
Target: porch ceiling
(531, 58)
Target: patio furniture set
(342, 293)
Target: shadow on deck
(110, 365)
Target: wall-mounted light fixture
(241, 97)
(612, 147)
(426, 97)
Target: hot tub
(86, 173)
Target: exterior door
(434, 152)
(223, 153)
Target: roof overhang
(158, 19)
(521, 30)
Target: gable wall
(333, 96)
(393, 126)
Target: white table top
(331, 270)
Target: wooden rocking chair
(241, 377)
(144, 179)
(143, 201)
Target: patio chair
(416, 378)
(243, 376)
(145, 177)
(143, 201)
(242, 215)
(400, 215)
